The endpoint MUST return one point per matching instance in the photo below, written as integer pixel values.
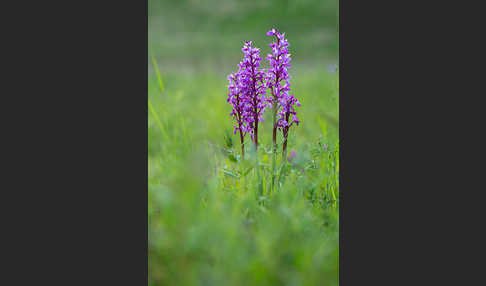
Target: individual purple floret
(324, 146)
(282, 101)
(251, 79)
(292, 155)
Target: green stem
(284, 149)
(260, 186)
(274, 149)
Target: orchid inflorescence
(247, 89)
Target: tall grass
(213, 219)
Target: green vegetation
(213, 219)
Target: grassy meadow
(214, 218)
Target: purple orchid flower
(284, 103)
(247, 94)
(253, 88)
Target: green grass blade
(157, 73)
(156, 117)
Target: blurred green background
(208, 222)
(208, 35)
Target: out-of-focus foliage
(209, 34)
(212, 221)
